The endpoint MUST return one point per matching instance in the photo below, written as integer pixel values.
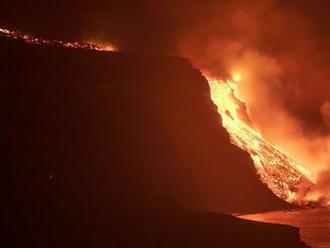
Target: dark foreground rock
(103, 149)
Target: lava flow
(284, 176)
(37, 41)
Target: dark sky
(128, 23)
(148, 23)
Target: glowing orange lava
(284, 176)
(33, 40)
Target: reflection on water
(314, 224)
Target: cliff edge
(114, 148)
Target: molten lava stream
(284, 176)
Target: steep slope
(76, 108)
(90, 137)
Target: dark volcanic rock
(101, 148)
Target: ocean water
(314, 224)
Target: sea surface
(314, 224)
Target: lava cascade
(284, 176)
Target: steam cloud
(276, 49)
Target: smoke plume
(277, 50)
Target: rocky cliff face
(91, 136)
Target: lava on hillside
(284, 176)
(38, 41)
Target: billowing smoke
(277, 50)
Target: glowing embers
(284, 176)
(236, 77)
(33, 40)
